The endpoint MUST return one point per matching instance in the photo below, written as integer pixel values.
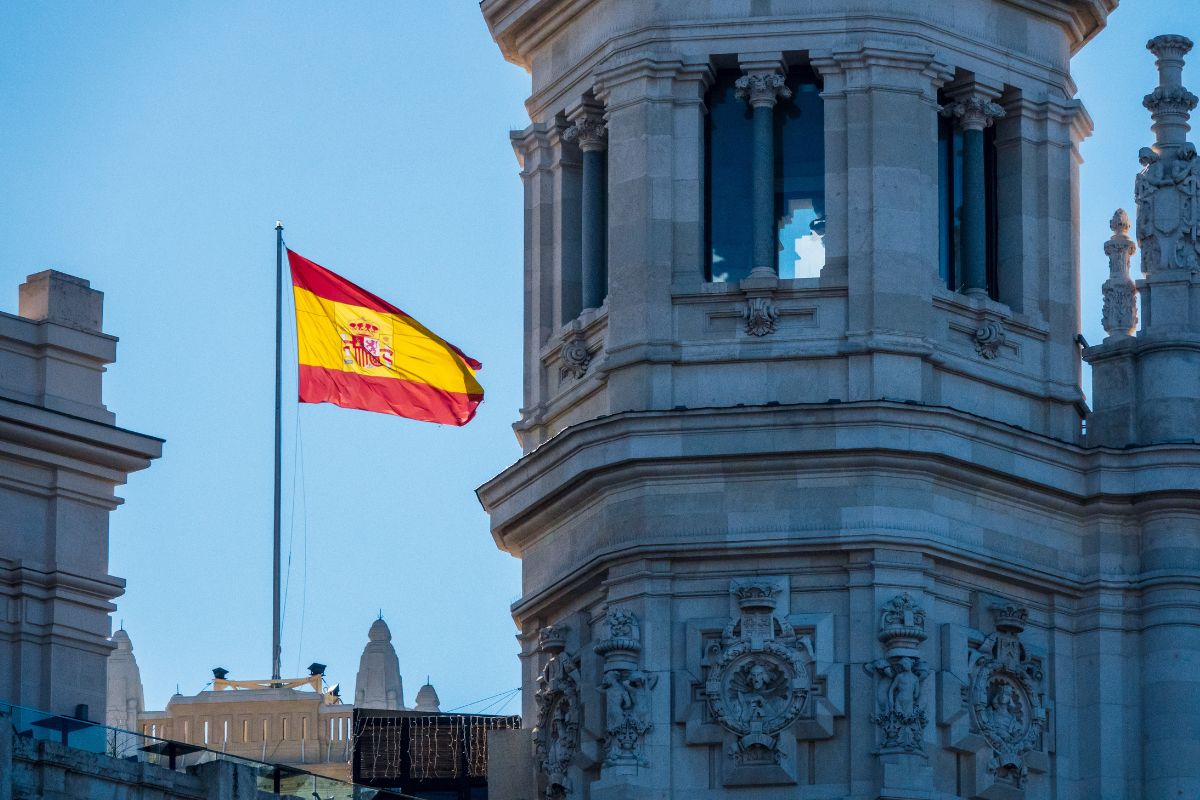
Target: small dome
(379, 631)
(427, 700)
(121, 639)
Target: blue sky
(149, 147)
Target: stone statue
(900, 676)
(626, 689)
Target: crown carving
(1010, 617)
(552, 639)
(902, 618)
(757, 596)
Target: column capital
(762, 89)
(1170, 104)
(588, 129)
(973, 112)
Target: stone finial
(762, 89)
(552, 639)
(973, 113)
(1170, 104)
(1120, 292)
(378, 683)
(589, 130)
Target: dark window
(728, 148)
(799, 179)
(950, 203)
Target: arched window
(799, 184)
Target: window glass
(728, 149)
(950, 203)
(800, 177)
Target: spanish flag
(358, 351)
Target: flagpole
(276, 553)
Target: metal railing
(275, 780)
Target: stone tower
(806, 490)
(378, 683)
(125, 698)
(62, 457)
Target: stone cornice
(1082, 19)
(760, 436)
(57, 436)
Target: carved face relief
(758, 692)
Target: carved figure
(1005, 697)
(556, 735)
(626, 689)
(900, 676)
(759, 681)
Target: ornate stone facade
(811, 491)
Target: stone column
(591, 133)
(974, 111)
(762, 89)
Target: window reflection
(799, 179)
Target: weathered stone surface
(890, 461)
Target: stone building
(61, 458)
(301, 722)
(810, 489)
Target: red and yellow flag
(358, 351)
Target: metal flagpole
(277, 555)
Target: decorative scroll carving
(760, 679)
(762, 89)
(760, 315)
(626, 689)
(973, 113)
(556, 736)
(1120, 293)
(900, 676)
(574, 355)
(1167, 190)
(589, 131)
(989, 338)
(1005, 698)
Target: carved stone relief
(1004, 697)
(759, 678)
(574, 355)
(900, 676)
(760, 315)
(556, 735)
(1167, 190)
(989, 338)
(626, 689)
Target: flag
(358, 351)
